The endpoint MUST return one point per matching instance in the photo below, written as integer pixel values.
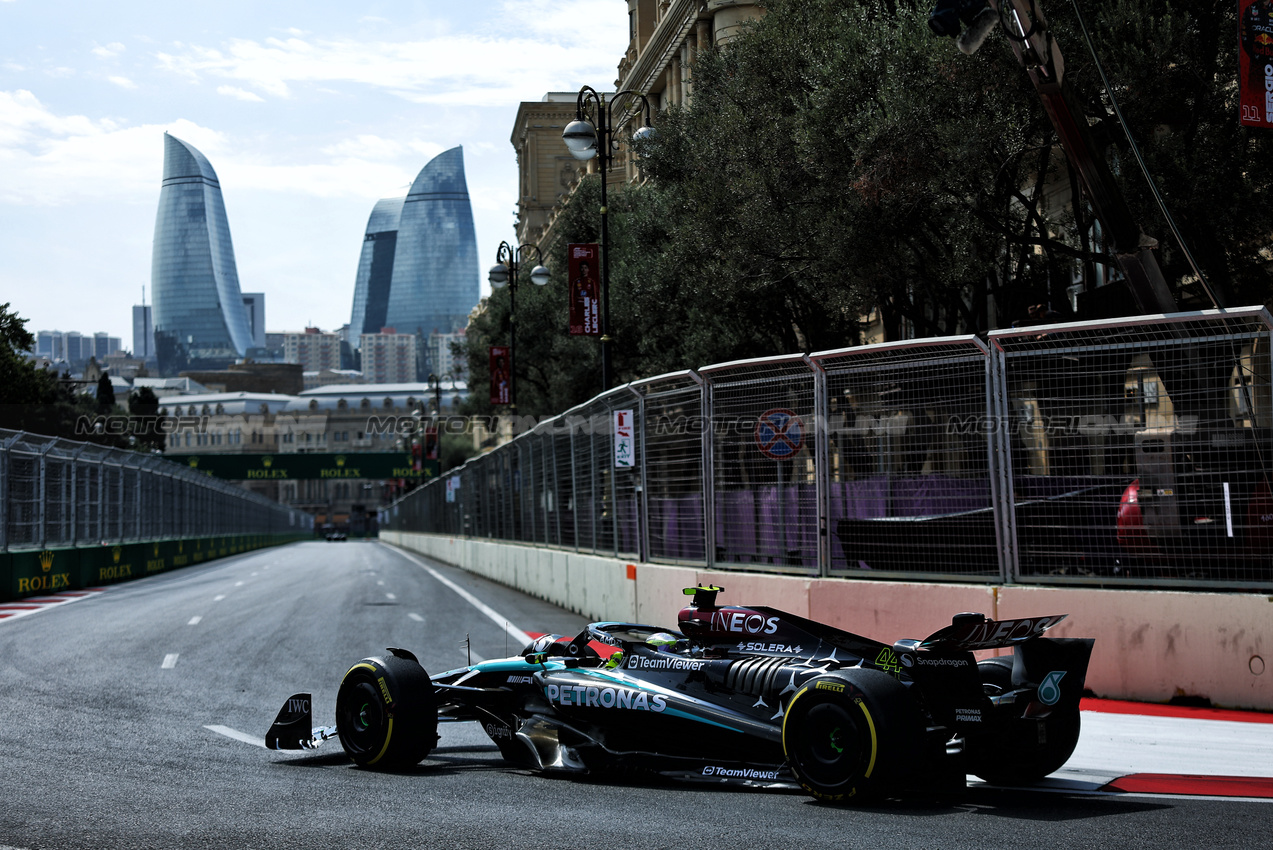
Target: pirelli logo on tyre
(384, 690)
(829, 686)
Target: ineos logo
(744, 621)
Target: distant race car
(743, 695)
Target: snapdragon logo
(588, 696)
(739, 772)
(942, 662)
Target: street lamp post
(508, 261)
(592, 134)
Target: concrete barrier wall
(1151, 646)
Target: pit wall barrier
(1151, 645)
(37, 572)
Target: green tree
(1173, 66)
(38, 400)
(838, 158)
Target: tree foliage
(838, 158)
(39, 400)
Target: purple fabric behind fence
(864, 499)
(625, 513)
(752, 526)
(736, 521)
(676, 528)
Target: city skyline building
(375, 268)
(143, 332)
(199, 317)
(75, 348)
(418, 270)
(314, 349)
(254, 304)
(389, 357)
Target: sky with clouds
(309, 112)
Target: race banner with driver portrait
(1255, 62)
(582, 261)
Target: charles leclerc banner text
(585, 305)
(500, 362)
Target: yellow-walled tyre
(386, 712)
(851, 735)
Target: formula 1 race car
(744, 695)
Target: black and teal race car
(746, 695)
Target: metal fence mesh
(1134, 451)
(763, 465)
(57, 492)
(909, 482)
(1141, 450)
(672, 429)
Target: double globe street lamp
(592, 134)
(508, 261)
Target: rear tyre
(386, 712)
(1025, 750)
(851, 735)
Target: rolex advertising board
(295, 467)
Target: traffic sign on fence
(779, 433)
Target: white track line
(416, 617)
(170, 661)
(499, 619)
(194, 621)
(254, 740)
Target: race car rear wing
(976, 631)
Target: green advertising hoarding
(297, 467)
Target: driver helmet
(663, 641)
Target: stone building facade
(664, 39)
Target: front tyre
(386, 712)
(850, 735)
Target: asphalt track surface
(133, 718)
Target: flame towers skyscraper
(199, 318)
(418, 272)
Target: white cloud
(48, 159)
(110, 51)
(470, 69)
(240, 94)
(123, 82)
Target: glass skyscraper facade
(375, 269)
(199, 318)
(419, 271)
